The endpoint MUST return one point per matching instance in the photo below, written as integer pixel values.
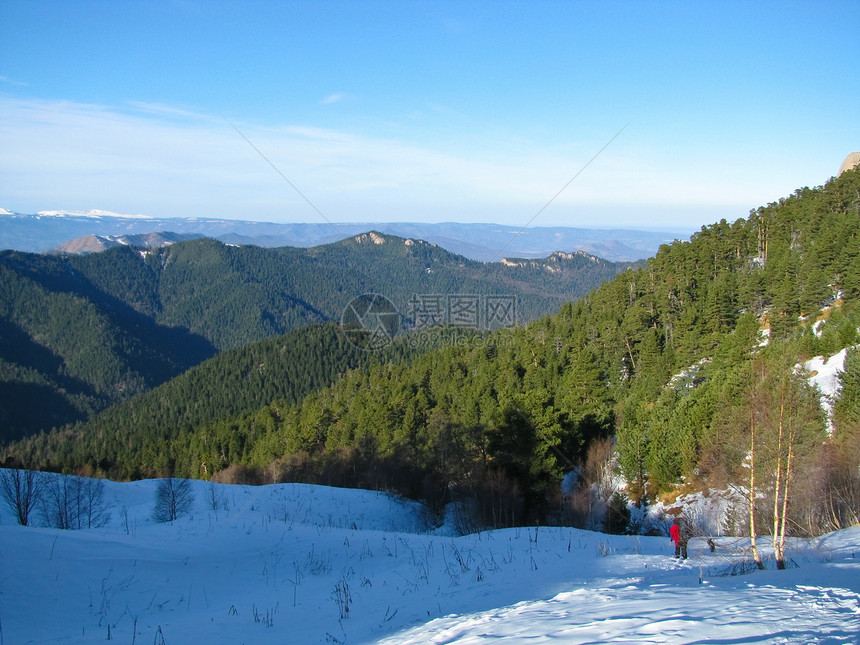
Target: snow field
(294, 563)
(825, 376)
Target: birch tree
(795, 429)
(757, 406)
(21, 491)
(785, 425)
(771, 431)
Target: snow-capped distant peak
(93, 213)
(4, 211)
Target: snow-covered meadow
(295, 563)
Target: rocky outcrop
(372, 236)
(851, 161)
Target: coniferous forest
(81, 333)
(679, 372)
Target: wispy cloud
(162, 109)
(9, 81)
(147, 160)
(332, 98)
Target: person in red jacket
(680, 536)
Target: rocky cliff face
(851, 161)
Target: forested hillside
(672, 359)
(80, 333)
(69, 348)
(235, 382)
(235, 295)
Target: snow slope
(825, 376)
(307, 564)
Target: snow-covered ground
(307, 564)
(825, 376)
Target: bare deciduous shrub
(73, 502)
(21, 491)
(492, 500)
(173, 498)
(830, 500)
(215, 498)
(587, 502)
(296, 467)
(238, 474)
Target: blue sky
(425, 111)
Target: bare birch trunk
(777, 490)
(780, 552)
(756, 554)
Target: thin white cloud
(168, 110)
(10, 81)
(332, 98)
(91, 156)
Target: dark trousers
(681, 549)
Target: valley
(106, 326)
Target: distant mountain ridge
(98, 243)
(45, 230)
(79, 332)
